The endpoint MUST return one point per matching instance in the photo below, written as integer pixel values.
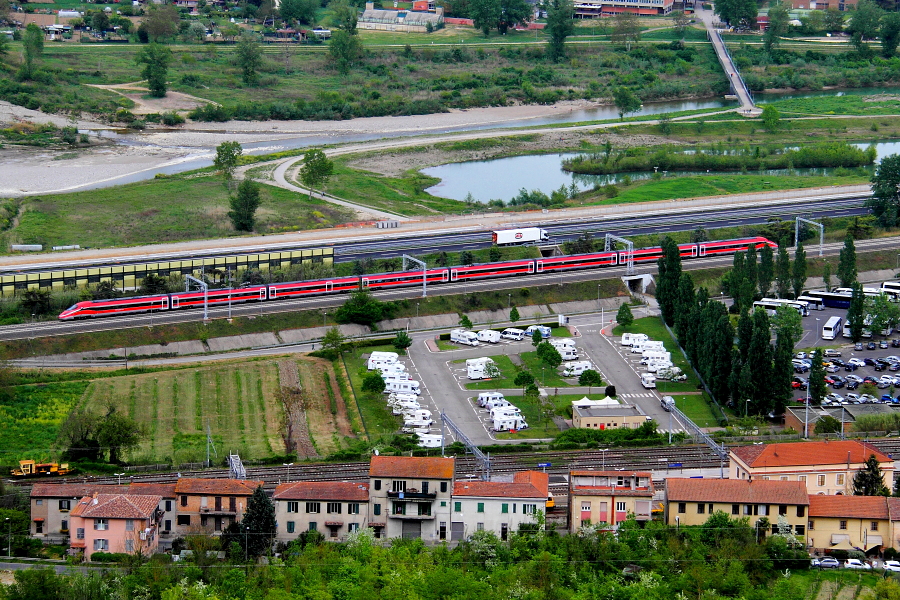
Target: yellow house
(692, 501)
(608, 417)
(825, 467)
(608, 497)
(848, 523)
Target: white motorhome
(402, 398)
(489, 335)
(474, 362)
(667, 403)
(512, 333)
(630, 338)
(461, 336)
(509, 424)
(379, 365)
(381, 355)
(568, 353)
(400, 376)
(647, 345)
(559, 344)
(485, 397)
(419, 424)
(545, 331)
(421, 414)
(476, 371)
(649, 355)
(404, 387)
(577, 368)
(378, 360)
(505, 412)
(393, 368)
(429, 441)
(648, 380)
(657, 365)
(495, 403)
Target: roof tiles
(854, 507)
(323, 490)
(218, 487)
(737, 491)
(411, 467)
(796, 454)
(497, 489)
(116, 506)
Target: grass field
(377, 419)
(236, 401)
(507, 374)
(540, 425)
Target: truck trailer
(525, 235)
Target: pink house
(115, 523)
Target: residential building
(51, 505)
(608, 417)
(497, 506)
(848, 522)
(400, 20)
(335, 508)
(609, 497)
(210, 505)
(590, 9)
(692, 501)
(168, 509)
(115, 523)
(409, 496)
(825, 467)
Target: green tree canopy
(512, 12)
(402, 340)
(846, 270)
(156, 59)
(485, 14)
(864, 24)
(32, 48)
(316, 170)
(301, 11)
(590, 378)
(869, 480)
(244, 205)
(885, 199)
(559, 26)
(514, 314)
(345, 50)
(363, 309)
(259, 523)
(549, 355)
(626, 101)
(373, 383)
(249, 58)
(228, 154)
(624, 316)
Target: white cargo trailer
(489, 335)
(525, 235)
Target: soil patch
(296, 431)
(143, 105)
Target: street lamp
(818, 332)
(508, 300)
(598, 302)
(288, 465)
(604, 451)
(417, 310)
(119, 475)
(8, 538)
(324, 318)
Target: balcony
(412, 495)
(217, 510)
(413, 517)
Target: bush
(109, 557)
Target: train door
(164, 305)
(445, 276)
(702, 249)
(531, 267)
(329, 286)
(273, 292)
(540, 266)
(365, 282)
(262, 294)
(175, 302)
(693, 250)
(454, 274)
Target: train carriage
(116, 306)
(578, 261)
(291, 289)
(382, 280)
(724, 247)
(182, 300)
(491, 270)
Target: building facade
(410, 497)
(608, 417)
(115, 523)
(597, 497)
(335, 508)
(500, 507)
(825, 467)
(848, 523)
(590, 9)
(210, 505)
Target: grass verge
(373, 409)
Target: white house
(335, 508)
(497, 506)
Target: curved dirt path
(143, 105)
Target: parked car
(870, 346)
(801, 355)
(834, 398)
(838, 362)
(829, 563)
(869, 361)
(853, 398)
(799, 383)
(858, 346)
(852, 385)
(832, 368)
(854, 378)
(870, 379)
(855, 563)
(894, 366)
(883, 344)
(887, 398)
(892, 358)
(895, 343)
(839, 381)
(891, 565)
(868, 399)
(857, 362)
(831, 352)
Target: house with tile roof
(825, 467)
(609, 497)
(692, 501)
(210, 505)
(409, 496)
(115, 523)
(848, 523)
(497, 506)
(335, 508)
(51, 504)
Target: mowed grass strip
(373, 408)
(30, 420)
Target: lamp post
(818, 332)
(508, 300)
(288, 465)
(119, 475)
(8, 538)
(598, 302)
(324, 318)
(417, 310)
(604, 451)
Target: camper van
(461, 336)
(494, 403)
(577, 368)
(545, 331)
(477, 371)
(485, 397)
(473, 362)
(420, 414)
(509, 424)
(419, 424)
(393, 398)
(630, 338)
(648, 380)
(381, 359)
(651, 355)
(380, 355)
(656, 365)
(513, 334)
(429, 441)
(562, 343)
(401, 409)
(647, 345)
(488, 335)
(504, 412)
(405, 387)
(568, 353)
(400, 376)
(392, 368)
(667, 403)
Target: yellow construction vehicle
(30, 468)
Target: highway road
(53, 328)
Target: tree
(782, 372)
(465, 321)
(624, 317)
(77, 435)
(559, 26)
(402, 340)
(680, 21)
(161, 21)
(549, 355)
(155, 59)
(827, 424)
(771, 118)
(87, 435)
(32, 48)
(36, 301)
(259, 524)
(514, 314)
(813, 22)
(826, 274)
(333, 342)
(228, 154)
(512, 12)
(856, 313)
(302, 11)
(885, 199)
(344, 15)
(890, 34)
(590, 378)
(117, 434)
(787, 324)
(737, 13)
(783, 272)
(536, 338)
(869, 480)
(626, 102)
(362, 308)
(846, 270)
(106, 290)
(344, 50)
(834, 20)
(778, 25)
(249, 58)
(153, 284)
(244, 205)
(99, 21)
(817, 386)
(485, 14)
(669, 274)
(466, 258)
(316, 170)
(798, 275)
(884, 313)
(523, 380)
(4, 42)
(864, 24)
(494, 254)
(626, 29)
(766, 272)
(492, 371)
(373, 383)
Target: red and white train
(340, 285)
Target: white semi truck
(526, 235)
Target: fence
(731, 69)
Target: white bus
(770, 305)
(812, 303)
(832, 328)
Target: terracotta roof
(74, 490)
(411, 467)
(166, 490)
(216, 487)
(582, 489)
(854, 507)
(323, 490)
(758, 491)
(116, 506)
(894, 508)
(497, 489)
(807, 454)
(538, 479)
(591, 473)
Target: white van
(509, 424)
(485, 397)
(461, 336)
(648, 380)
(488, 335)
(577, 368)
(404, 387)
(395, 376)
(630, 338)
(647, 345)
(568, 353)
(667, 403)
(650, 355)
(429, 441)
(559, 344)
(513, 334)
(545, 331)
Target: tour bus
(812, 303)
(770, 305)
(832, 327)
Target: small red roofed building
(848, 523)
(497, 506)
(692, 501)
(608, 497)
(210, 505)
(826, 467)
(335, 508)
(115, 523)
(409, 497)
